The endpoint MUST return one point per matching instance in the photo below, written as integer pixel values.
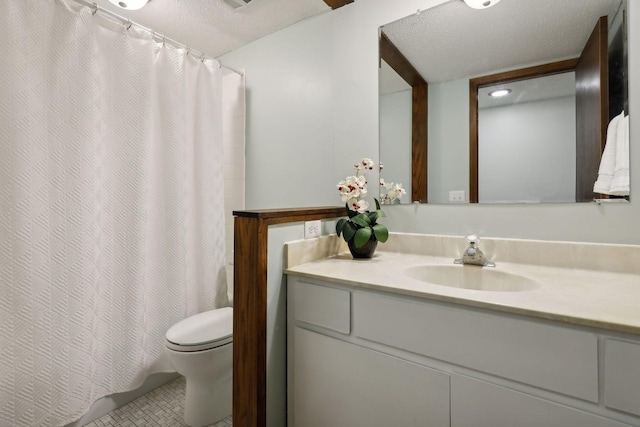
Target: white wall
(448, 137)
(527, 152)
(395, 139)
(313, 110)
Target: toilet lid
(207, 327)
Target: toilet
(200, 348)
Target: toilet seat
(202, 331)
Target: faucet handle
(473, 239)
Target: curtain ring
(95, 9)
(202, 57)
(163, 40)
(130, 24)
(187, 51)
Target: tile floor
(163, 406)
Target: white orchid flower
(361, 182)
(358, 205)
(349, 188)
(365, 165)
(394, 191)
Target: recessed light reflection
(499, 92)
(130, 4)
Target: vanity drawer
(554, 358)
(622, 376)
(476, 403)
(321, 305)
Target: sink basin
(471, 277)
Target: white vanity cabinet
(359, 357)
(479, 403)
(333, 382)
(622, 375)
(336, 383)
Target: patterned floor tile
(163, 407)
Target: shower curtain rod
(156, 36)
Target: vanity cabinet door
(476, 403)
(341, 384)
(622, 376)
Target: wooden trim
(473, 141)
(527, 73)
(291, 215)
(603, 26)
(592, 110)
(419, 121)
(505, 77)
(396, 60)
(336, 4)
(419, 145)
(249, 321)
(251, 233)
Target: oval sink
(471, 277)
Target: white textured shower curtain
(111, 206)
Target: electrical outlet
(312, 229)
(456, 196)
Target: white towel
(615, 159)
(620, 180)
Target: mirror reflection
(526, 140)
(513, 150)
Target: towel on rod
(620, 180)
(613, 174)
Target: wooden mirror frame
(489, 80)
(420, 96)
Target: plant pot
(364, 251)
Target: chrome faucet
(473, 255)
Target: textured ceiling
(453, 41)
(212, 27)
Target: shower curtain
(111, 205)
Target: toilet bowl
(200, 348)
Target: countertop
(601, 299)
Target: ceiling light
(480, 4)
(499, 92)
(130, 4)
(237, 3)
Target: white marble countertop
(595, 298)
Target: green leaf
(362, 236)
(340, 226)
(377, 204)
(373, 216)
(348, 231)
(381, 232)
(362, 220)
(381, 214)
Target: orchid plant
(362, 225)
(394, 192)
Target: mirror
(456, 51)
(518, 139)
